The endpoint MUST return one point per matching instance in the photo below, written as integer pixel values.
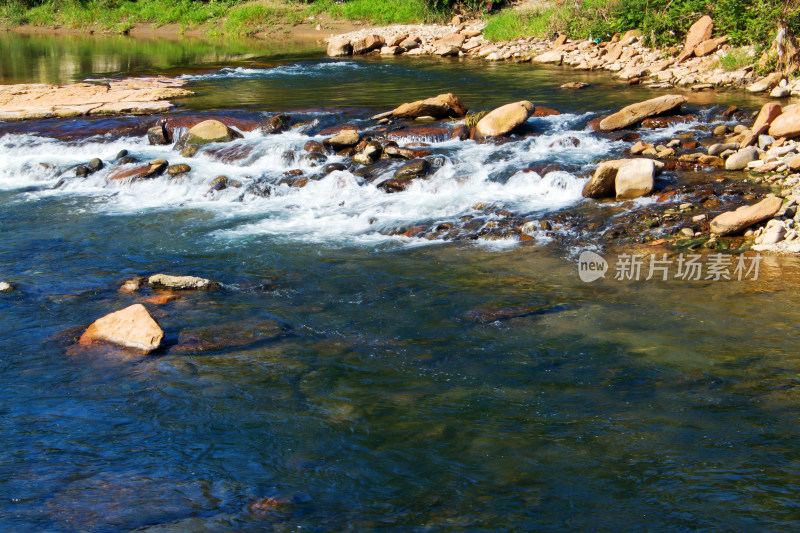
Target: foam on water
(304, 68)
(339, 207)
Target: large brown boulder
(635, 113)
(735, 221)
(208, 131)
(132, 327)
(339, 47)
(441, 106)
(504, 119)
(766, 117)
(699, 32)
(343, 139)
(786, 125)
(368, 44)
(636, 179)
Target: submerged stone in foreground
(635, 113)
(132, 327)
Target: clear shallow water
(361, 392)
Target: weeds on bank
(737, 58)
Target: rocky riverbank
(695, 65)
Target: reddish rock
(541, 111)
(654, 123)
(766, 117)
(162, 299)
(787, 124)
(132, 327)
(137, 172)
(699, 32)
(441, 106)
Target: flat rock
(132, 327)
(181, 282)
(504, 119)
(107, 97)
(442, 106)
(554, 56)
(343, 139)
(635, 113)
(732, 222)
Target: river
(349, 379)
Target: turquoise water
(354, 380)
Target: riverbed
(347, 377)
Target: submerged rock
(132, 327)
(735, 221)
(635, 113)
(504, 119)
(182, 282)
(5, 287)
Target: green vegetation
(737, 58)
(239, 17)
(664, 21)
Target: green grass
(251, 18)
(736, 58)
(382, 12)
(509, 25)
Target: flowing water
(349, 379)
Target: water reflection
(70, 58)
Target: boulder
(158, 135)
(5, 287)
(132, 327)
(740, 159)
(766, 83)
(787, 124)
(138, 172)
(368, 44)
(699, 32)
(181, 282)
(410, 43)
(208, 131)
(339, 47)
(177, 170)
(277, 124)
(735, 221)
(343, 139)
(705, 48)
(504, 119)
(411, 170)
(441, 106)
(391, 50)
(635, 113)
(766, 116)
(555, 57)
(635, 178)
